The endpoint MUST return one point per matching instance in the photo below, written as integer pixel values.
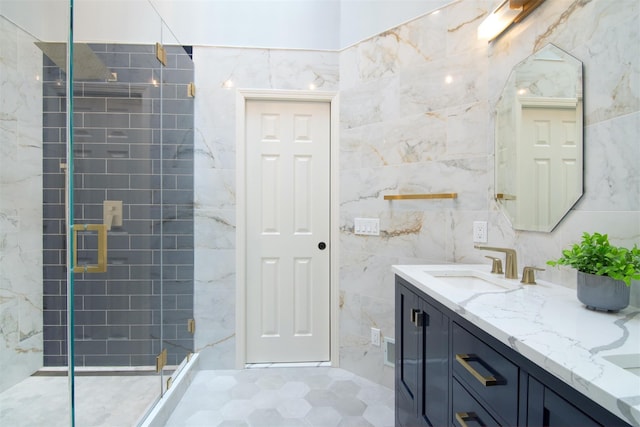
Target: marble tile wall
(416, 107)
(20, 205)
(218, 72)
(417, 116)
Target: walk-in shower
(96, 211)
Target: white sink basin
(473, 281)
(629, 362)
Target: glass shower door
(176, 197)
(132, 221)
(117, 328)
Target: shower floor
(101, 401)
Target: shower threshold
(96, 371)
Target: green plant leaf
(595, 255)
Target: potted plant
(605, 271)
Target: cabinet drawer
(490, 375)
(467, 411)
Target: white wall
(361, 19)
(293, 24)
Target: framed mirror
(539, 148)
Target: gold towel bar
(503, 196)
(421, 196)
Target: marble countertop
(548, 325)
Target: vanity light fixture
(507, 13)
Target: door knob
(322, 246)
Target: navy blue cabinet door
(422, 363)
(434, 401)
(546, 408)
(408, 357)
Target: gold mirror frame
(539, 144)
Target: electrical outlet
(375, 337)
(480, 231)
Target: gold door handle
(463, 417)
(464, 359)
(101, 266)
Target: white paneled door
(288, 206)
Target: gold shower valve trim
(421, 196)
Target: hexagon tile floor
(281, 397)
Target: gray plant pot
(602, 292)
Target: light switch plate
(367, 226)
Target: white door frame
(242, 95)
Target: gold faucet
(528, 275)
(511, 261)
(496, 266)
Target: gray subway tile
(56, 332)
(141, 332)
(127, 317)
(89, 105)
(128, 166)
(50, 135)
(102, 120)
(91, 317)
(52, 347)
(106, 302)
(91, 347)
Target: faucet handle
(496, 266)
(528, 275)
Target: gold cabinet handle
(464, 359)
(101, 266)
(463, 417)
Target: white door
(547, 165)
(287, 259)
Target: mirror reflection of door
(538, 151)
(548, 165)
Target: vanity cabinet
(547, 408)
(449, 372)
(422, 364)
(487, 374)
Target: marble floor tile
(280, 397)
(101, 401)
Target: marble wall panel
(20, 205)
(612, 153)
(416, 115)
(218, 73)
(388, 146)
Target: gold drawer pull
(101, 266)
(462, 417)
(464, 359)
